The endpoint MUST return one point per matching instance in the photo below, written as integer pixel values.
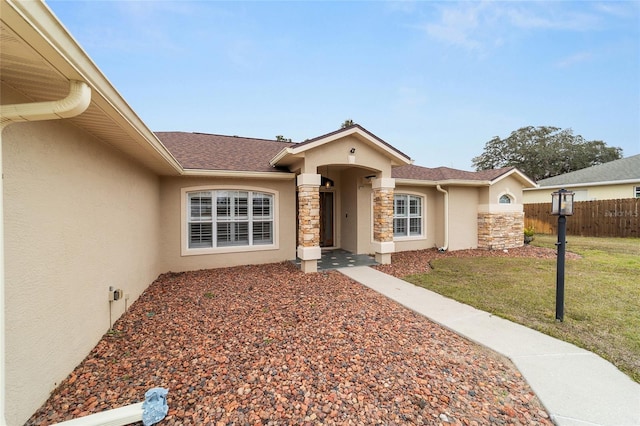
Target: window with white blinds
(407, 215)
(226, 218)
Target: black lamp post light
(561, 206)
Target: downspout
(73, 104)
(445, 246)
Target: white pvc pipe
(73, 104)
(445, 246)
(115, 417)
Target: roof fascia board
(296, 150)
(239, 174)
(451, 182)
(66, 56)
(582, 185)
(521, 176)
(279, 156)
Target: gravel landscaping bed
(417, 261)
(270, 345)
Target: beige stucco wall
(582, 193)
(350, 221)
(173, 228)
(79, 217)
(337, 152)
(463, 221)
(510, 186)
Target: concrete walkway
(576, 386)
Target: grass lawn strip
(602, 293)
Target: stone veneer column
(498, 231)
(309, 221)
(383, 244)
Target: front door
(326, 219)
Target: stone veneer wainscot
(498, 231)
(309, 216)
(383, 214)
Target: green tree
(544, 151)
(348, 122)
(281, 138)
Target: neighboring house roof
(217, 152)
(622, 170)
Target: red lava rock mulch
(417, 261)
(270, 345)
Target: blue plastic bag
(154, 407)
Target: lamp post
(561, 206)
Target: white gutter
(445, 246)
(74, 104)
(451, 182)
(239, 174)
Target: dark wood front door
(326, 219)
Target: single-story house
(609, 181)
(92, 199)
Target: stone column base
(309, 258)
(383, 251)
(309, 266)
(498, 231)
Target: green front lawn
(602, 293)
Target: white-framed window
(636, 191)
(505, 199)
(407, 215)
(229, 218)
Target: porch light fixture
(326, 182)
(562, 203)
(561, 206)
(352, 151)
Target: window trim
(636, 192)
(184, 220)
(507, 196)
(423, 221)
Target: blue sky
(435, 79)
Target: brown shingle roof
(217, 152)
(201, 151)
(445, 173)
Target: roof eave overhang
(447, 182)
(279, 157)
(524, 179)
(239, 174)
(36, 24)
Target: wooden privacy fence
(601, 218)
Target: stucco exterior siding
(338, 153)
(352, 218)
(583, 193)
(79, 217)
(507, 186)
(173, 227)
(463, 229)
